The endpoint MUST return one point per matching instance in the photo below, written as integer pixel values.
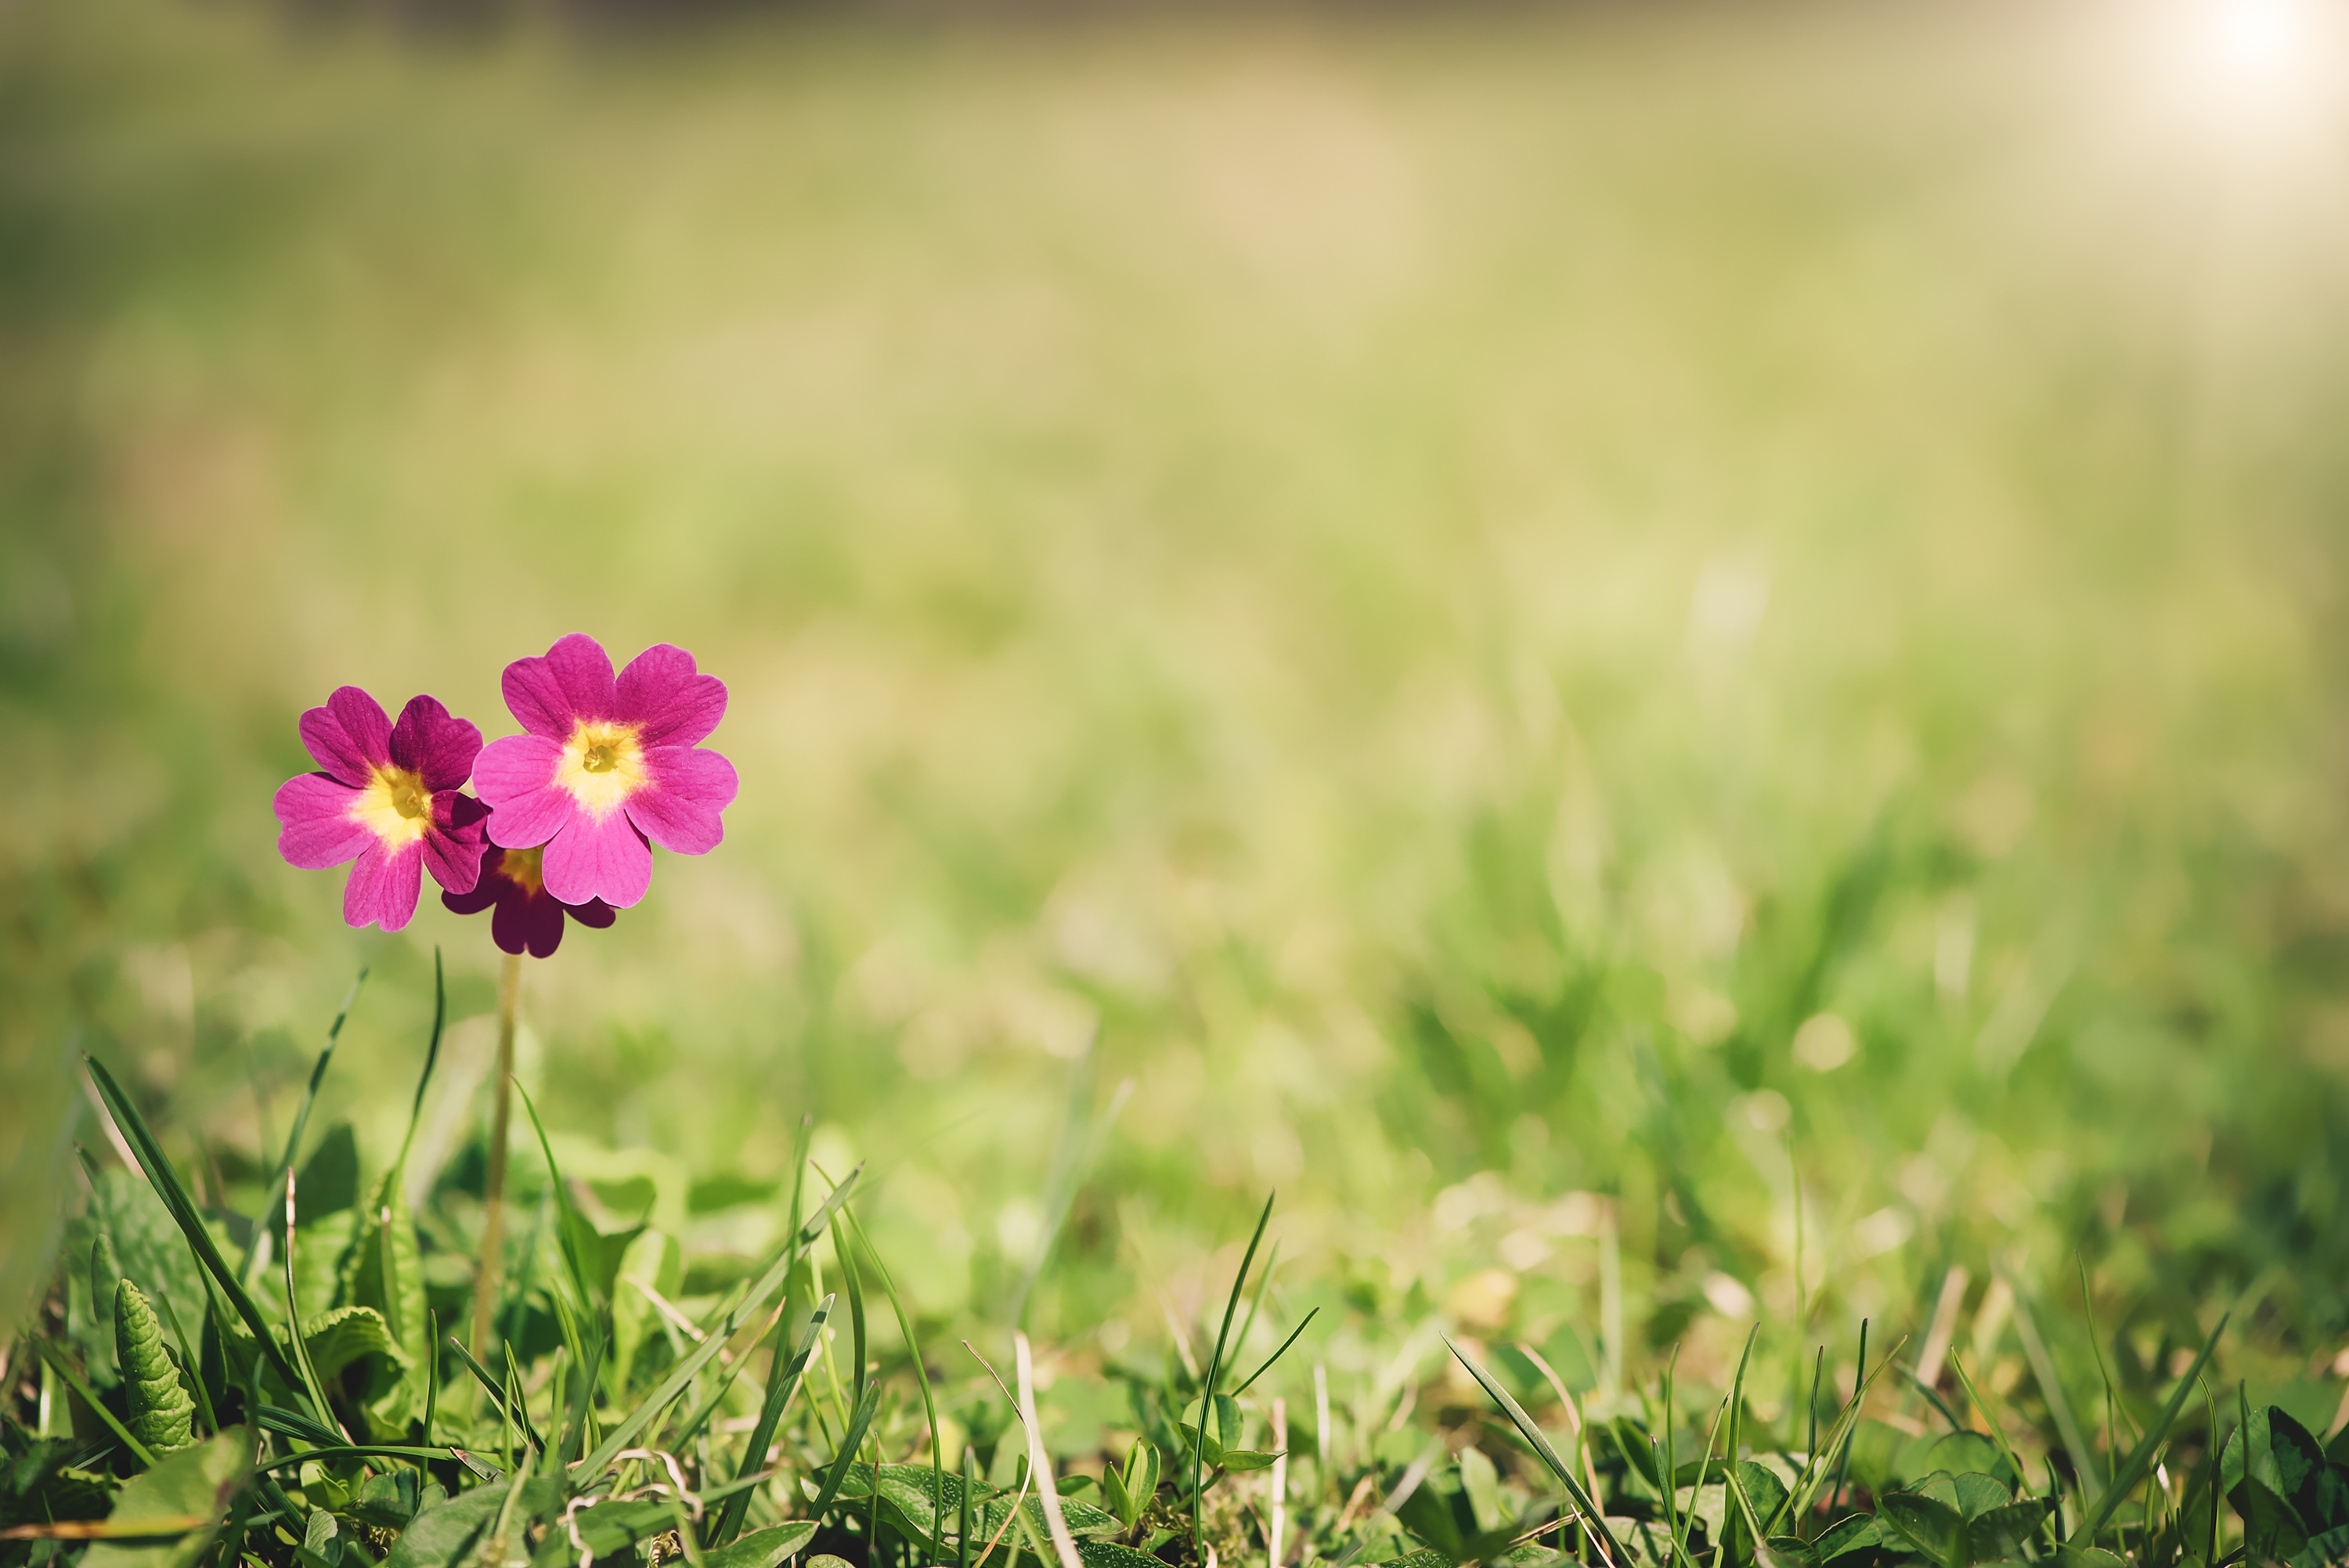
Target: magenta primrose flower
(386, 795)
(606, 765)
(528, 918)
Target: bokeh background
(1543, 627)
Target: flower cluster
(564, 816)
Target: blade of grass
(2043, 1367)
(194, 1366)
(1859, 1389)
(570, 1221)
(519, 1416)
(165, 1180)
(1214, 1369)
(1277, 1355)
(1990, 1417)
(301, 1348)
(431, 1060)
(2140, 1460)
(866, 1405)
(921, 1373)
(1839, 1437)
(782, 1371)
(266, 1224)
(779, 1387)
(683, 1373)
(1597, 1522)
(58, 1364)
(855, 1283)
(1039, 1463)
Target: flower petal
(543, 926)
(510, 927)
(607, 860)
(549, 696)
(595, 912)
(481, 895)
(429, 741)
(452, 845)
(383, 886)
(512, 768)
(314, 815)
(678, 809)
(661, 691)
(348, 735)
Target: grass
(1677, 670)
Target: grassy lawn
(1674, 667)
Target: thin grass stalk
(1039, 1463)
(491, 1263)
(1214, 1370)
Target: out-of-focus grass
(1454, 598)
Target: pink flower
(387, 795)
(605, 765)
(528, 917)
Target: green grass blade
(2140, 1460)
(783, 1380)
(849, 1275)
(1215, 1364)
(519, 1416)
(682, 1374)
(1277, 1355)
(921, 1373)
(58, 1364)
(1839, 1436)
(269, 1221)
(1593, 1517)
(866, 1405)
(570, 1221)
(2043, 1368)
(165, 1180)
(431, 1058)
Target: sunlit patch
(602, 766)
(394, 806)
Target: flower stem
(494, 1195)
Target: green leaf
(2005, 1532)
(1933, 1527)
(1978, 1494)
(1856, 1533)
(1963, 1453)
(445, 1536)
(2272, 1530)
(1110, 1555)
(1240, 1461)
(195, 1483)
(160, 1409)
(765, 1548)
(383, 1271)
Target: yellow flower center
(521, 868)
(602, 766)
(394, 806)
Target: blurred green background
(1524, 625)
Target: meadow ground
(1676, 668)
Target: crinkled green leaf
(160, 1410)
